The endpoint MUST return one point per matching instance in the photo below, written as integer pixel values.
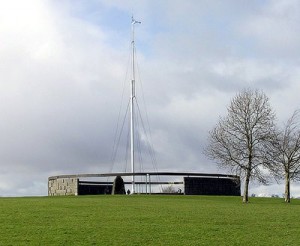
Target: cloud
(56, 77)
(62, 65)
(275, 29)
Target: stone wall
(63, 187)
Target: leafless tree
(284, 155)
(238, 140)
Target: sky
(64, 67)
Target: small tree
(237, 142)
(284, 154)
(169, 189)
(118, 186)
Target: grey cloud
(61, 83)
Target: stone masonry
(63, 187)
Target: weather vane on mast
(133, 21)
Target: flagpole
(132, 97)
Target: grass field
(148, 220)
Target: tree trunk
(287, 193)
(246, 187)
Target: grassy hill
(148, 220)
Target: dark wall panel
(94, 189)
(212, 186)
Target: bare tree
(238, 140)
(169, 189)
(284, 155)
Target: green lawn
(148, 220)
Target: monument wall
(63, 187)
(93, 188)
(212, 186)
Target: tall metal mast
(132, 97)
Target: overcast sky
(63, 64)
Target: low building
(192, 183)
